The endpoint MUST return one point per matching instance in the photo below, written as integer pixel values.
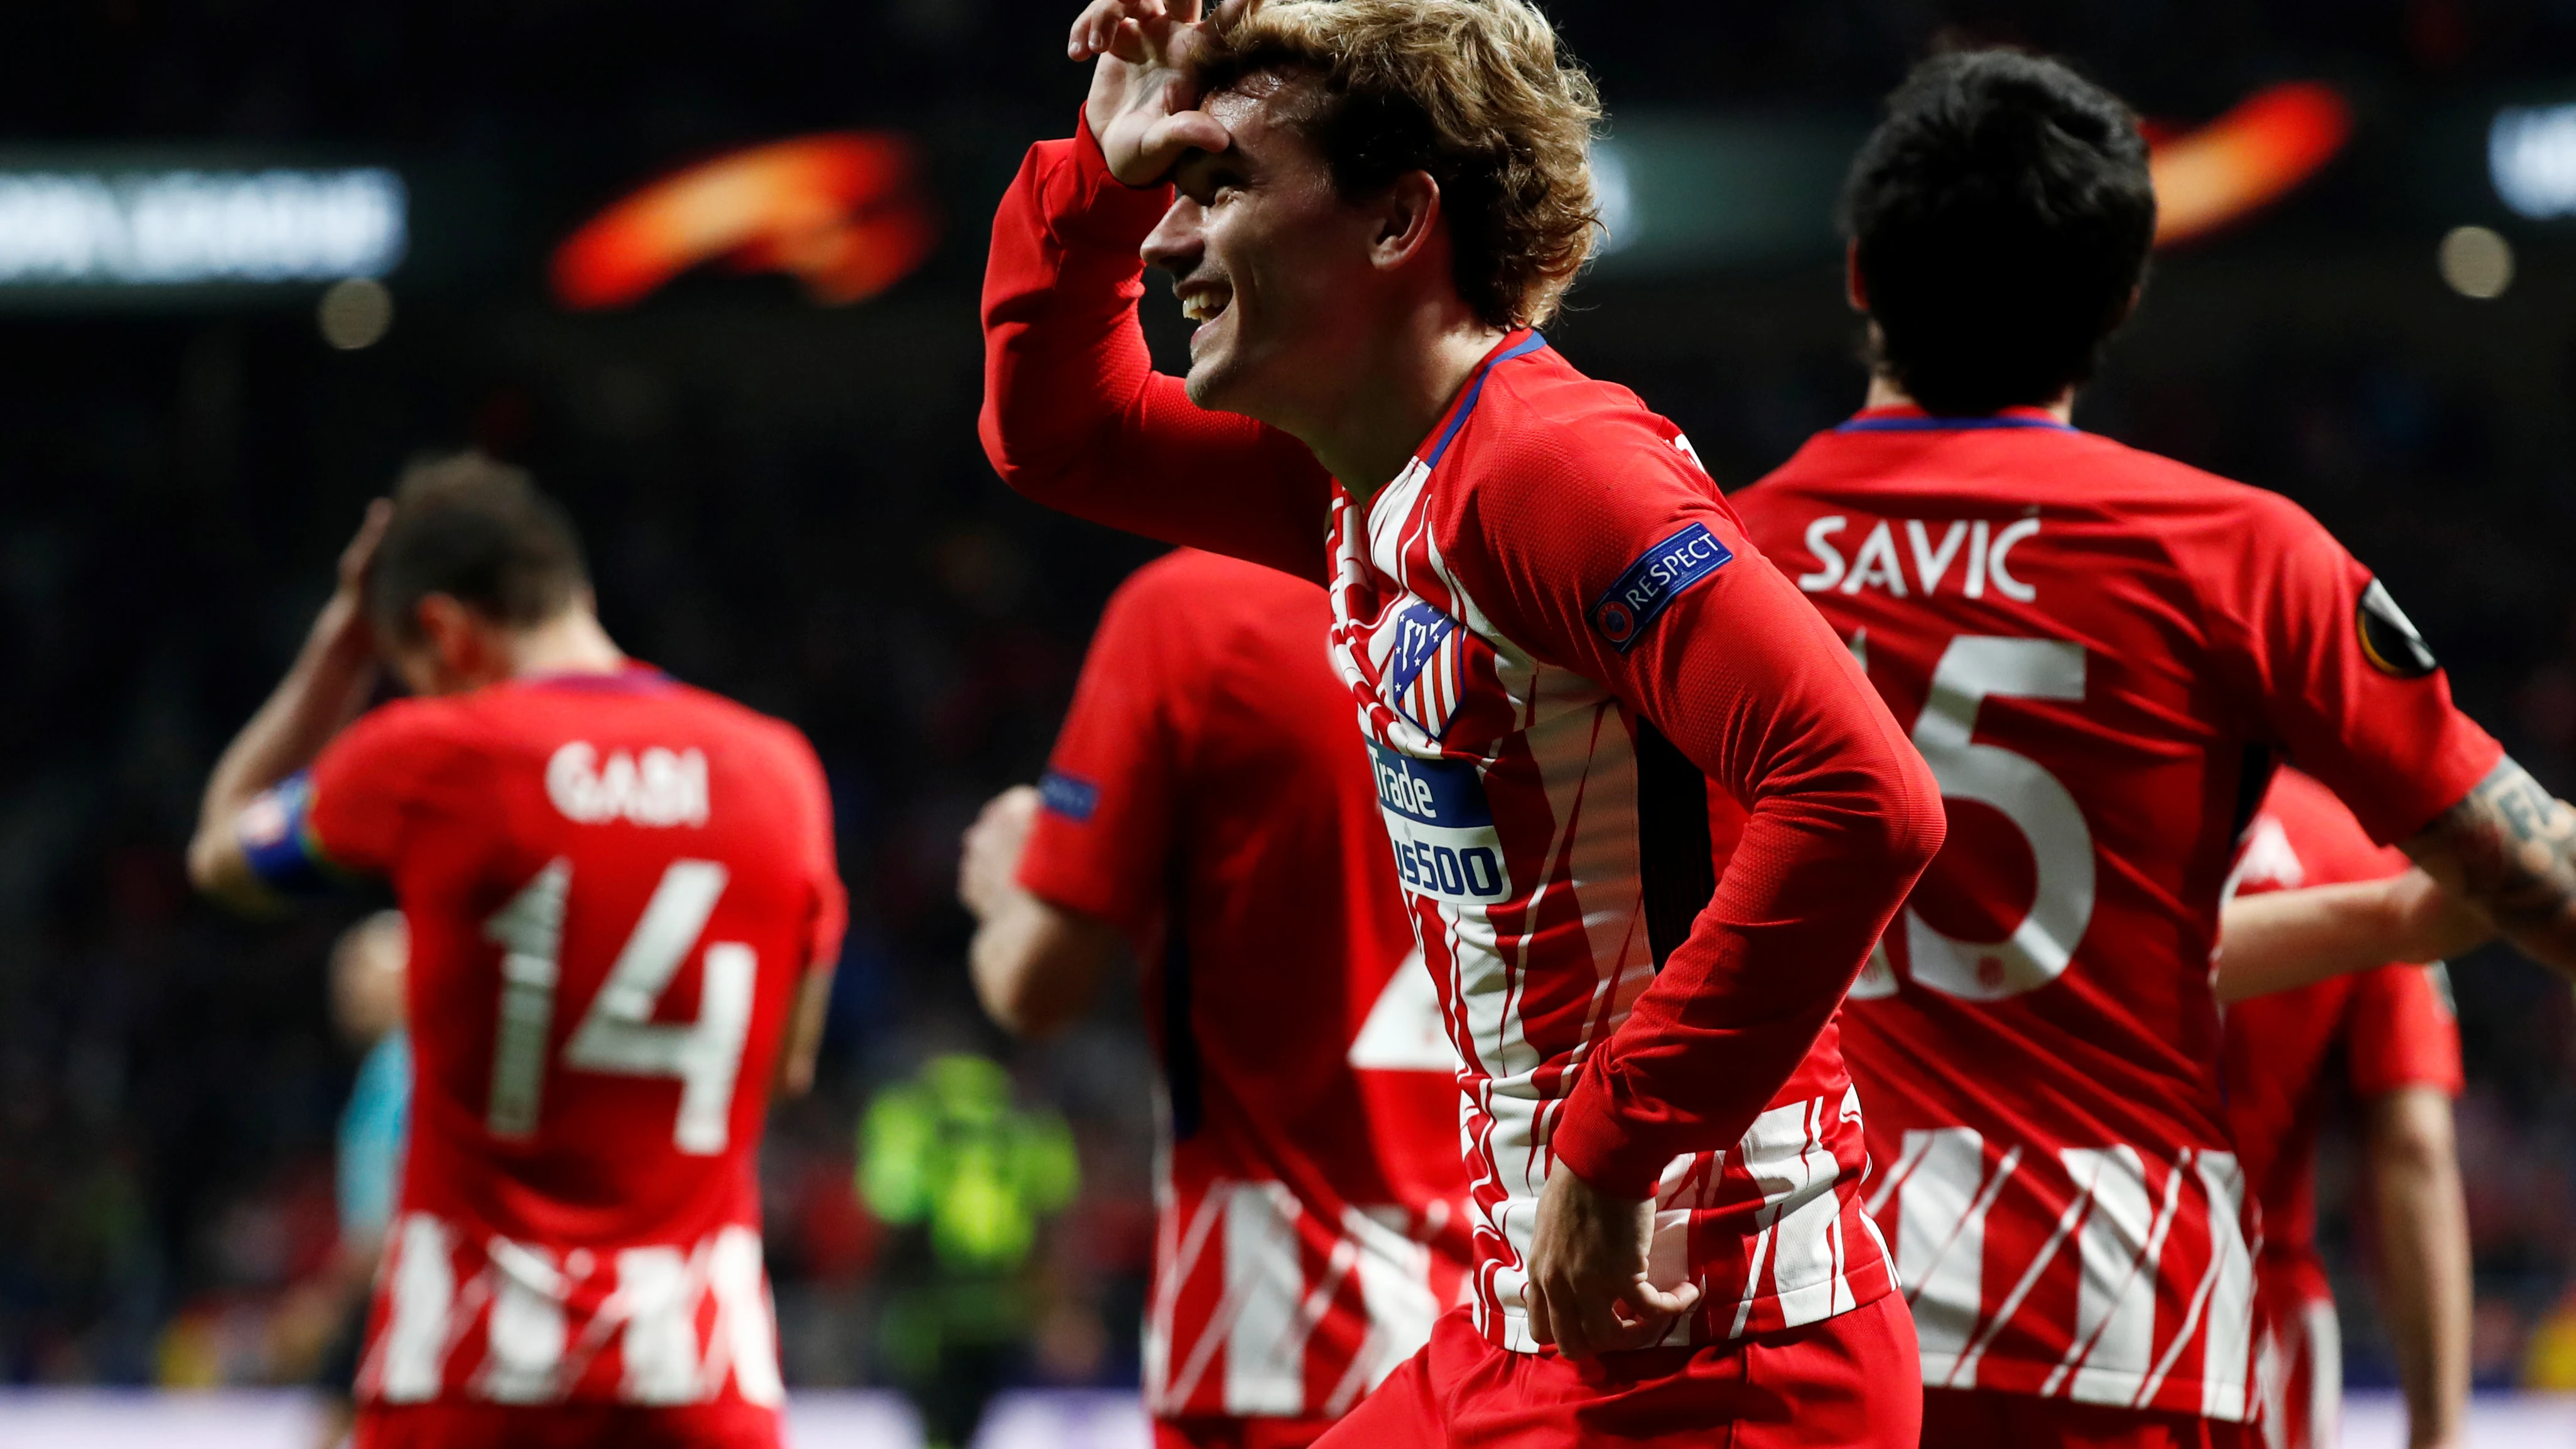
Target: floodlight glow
(179, 228)
(2531, 158)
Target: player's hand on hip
(1142, 105)
(1589, 1292)
(988, 869)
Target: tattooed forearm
(2510, 848)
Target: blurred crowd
(787, 504)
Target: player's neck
(572, 642)
(1884, 393)
(1386, 405)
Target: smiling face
(1268, 259)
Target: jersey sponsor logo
(2388, 637)
(1070, 796)
(1660, 575)
(1442, 828)
(1979, 548)
(657, 787)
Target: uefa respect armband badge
(2388, 637)
(1660, 575)
(1070, 796)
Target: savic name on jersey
(1980, 548)
(1445, 842)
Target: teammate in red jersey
(1560, 648)
(2402, 1050)
(2102, 653)
(618, 891)
(1207, 803)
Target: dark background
(786, 503)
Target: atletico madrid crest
(1426, 668)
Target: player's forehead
(1265, 113)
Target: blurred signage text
(175, 228)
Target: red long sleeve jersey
(1555, 637)
(2102, 653)
(1206, 796)
(613, 884)
(2393, 1023)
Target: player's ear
(447, 628)
(1856, 291)
(1405, 217)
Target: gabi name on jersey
(1979, 548)
(657, 787)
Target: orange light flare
(842, 212)
(2247, 159)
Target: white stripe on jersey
(517, 1307)
(2115, 1306)
(412, 1357)
(657, 1295)
(745, 1330)
(524, 1334)
(1265, 1341)
(1267, 1307)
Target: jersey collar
(1908, 418)
(1519, 342)
(634, 677)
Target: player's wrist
(1603, 1157)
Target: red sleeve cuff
(1100, 209)
(1592, 1139)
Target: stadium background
(785, 502)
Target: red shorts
(1215, 1431)
(1854, 1380)
(1967, 1419)
(565, 1426)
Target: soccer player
(1207, 804)
(1561, 651)
(617, 888)
(2102, 654)
(2402, 1052)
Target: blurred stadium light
(2247, 159)
(2531, 157)
(840, 211)
(1684, 193)
(185, 227)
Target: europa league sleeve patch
(1650, 585)
(2388, 637)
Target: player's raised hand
(1589, 1292)
(1142, 108)
(343, 626)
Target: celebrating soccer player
(1562, 653)
(618, 891)
(2402, 1051)
(2102, 654)
(1206, 801)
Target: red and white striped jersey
(1206, 797)
(1568, 663)
(2103, 653)
(614, 884)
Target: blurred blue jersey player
(367, 971)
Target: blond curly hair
(1478, 93)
